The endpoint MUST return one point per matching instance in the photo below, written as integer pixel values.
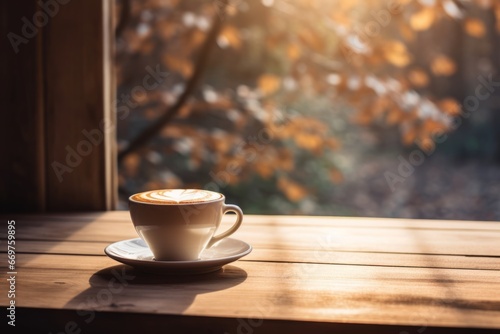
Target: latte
(176, 196)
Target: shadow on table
(122, 288)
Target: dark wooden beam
(22, 125)
(58, 131)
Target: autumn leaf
(222, 144)
(394, 116)
(264, 169)
(396, 53)
(475, 27)
(292, 190)
(336, 176)
(268, 83)
(308, 141)
(196, 38)
(185, 111)
(364, 117)
(196, 156)
(230, 36)
(450, 106)
(418, 78)
(131, 164)
(293, 51)
(285, 160)
(409, 136)
(379, 106)
(407, 33)
(332, 143)
(423, 19)
(151, 113)
(443, 66)
(178, 64)
(426, 144)
(173, 132)
(166, 29)
(431, 127)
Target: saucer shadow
(123, 288)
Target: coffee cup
(178, 224)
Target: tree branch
(147, 134)
(124, 18)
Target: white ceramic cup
(178, 224)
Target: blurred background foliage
(303, 107)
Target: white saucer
(137, 254)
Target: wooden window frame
(58, 91)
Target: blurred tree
(401, 64)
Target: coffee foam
(176, 196)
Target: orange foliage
(423, 19)
(268, 83)
(450, 106)
(179, 64)
(231, 36)
(336, 50)
(475, 27)
(418, 78)
(292, 190)
(443, 66)
(396, 53)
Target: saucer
(137, 254)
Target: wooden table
(304, 275)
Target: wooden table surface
(305, 274)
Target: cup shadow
(123, 288)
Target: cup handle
(237, 224)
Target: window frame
(59, 125)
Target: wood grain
(261, 253)
(263, 290)
(57, 85)
(375, 275)
(22, 126)
(282, 220)
(280, 234)
(77, 44)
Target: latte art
(176, 196)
